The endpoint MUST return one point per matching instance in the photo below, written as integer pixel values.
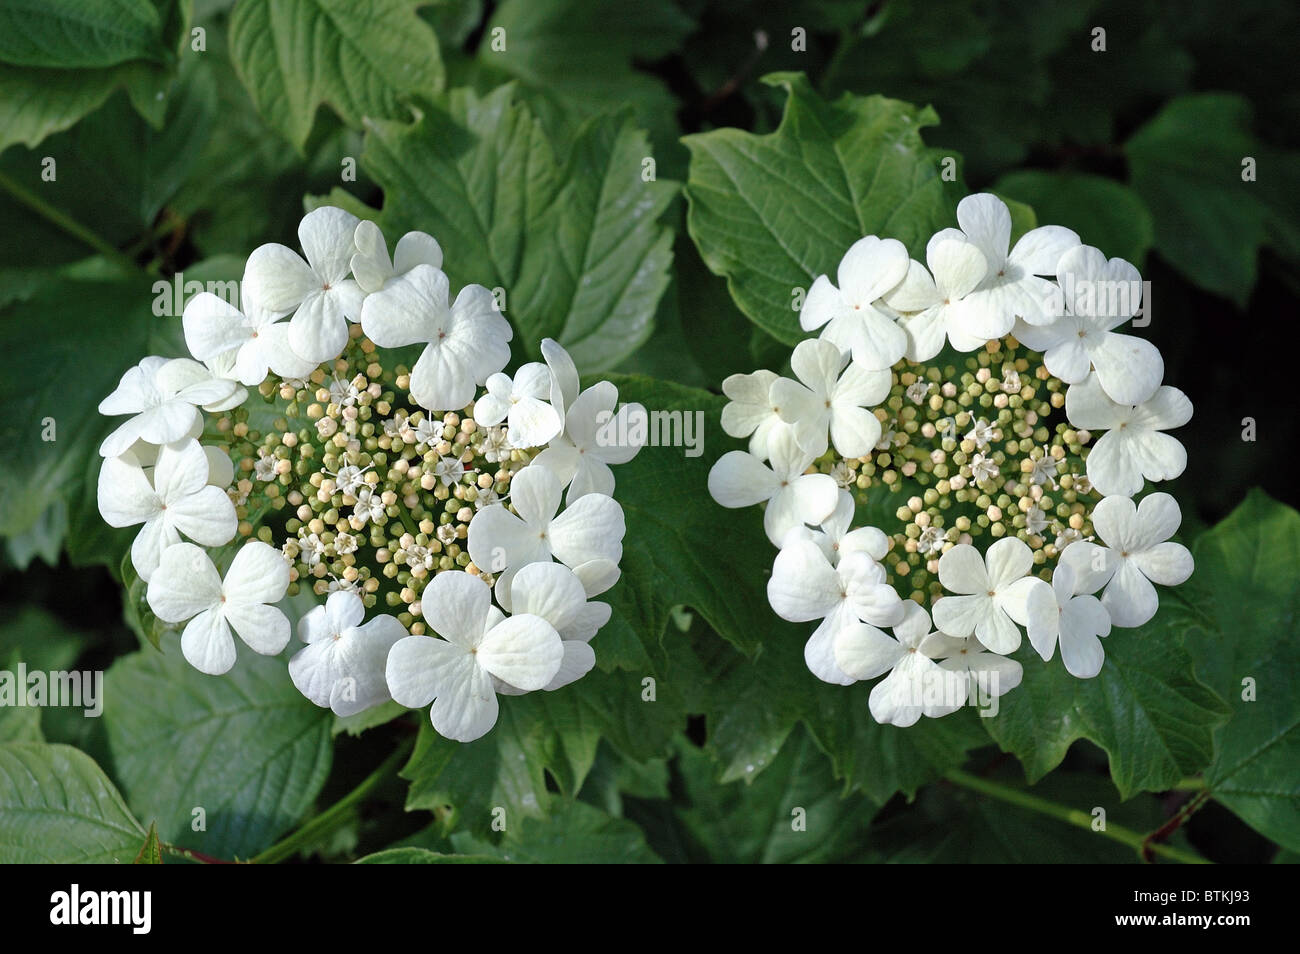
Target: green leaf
(1106, 214)
(1243, 626)
(294, 55)
(79, 33)
(793, 813)
(18, 722)
(57, 806)
(246, 748)
(1146, 709)
(571, 234)
(151, 850)
(1187, 164)
(771, 213)
(45, 642)
(544, 41)
(576, 833)
(423, 856)
(541, 733)
(77, 319)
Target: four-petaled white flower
(590, 528)
(480, 645)
(256, 342)
(1011, 287)
(369, 506)
(465, 342)
(179, 500)
(496, 445)
(794, 498)
(595, 435)
(449, 470)
(555, 593)
(983, 468)
(264, 466)
(428, 431)
(343, 393)
(186, 586)
(371, 266)
(751, 412)
(987, 675)
(1133, 447)
(1077, 624)
(982, 432)
(1097, 297)
(523, 403)
(318, 291)
(1138, 552)
(342, 666)
(934, 308)
(163, 398)
(804, 586)
(994, 593)
(830, 400)
(916, 684)
(869, 270)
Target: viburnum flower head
(465, 342)
(848, 315)
(187, 586)
(342, 666)
(480, 644)
(177, 500)
(163, 398)
(317, 291)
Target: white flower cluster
(159, 474)
(810, 435)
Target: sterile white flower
(590, 528)
(1011, 287)
(750, 412)
(987, 675)
(828, 400)
(342, 666)
(933, 307)
(555, 593)
(793, 498)
(869, 270)
(1105, 294)
(258, 341)
(916, 684)
(1077, 624)
(479, 645)
(163, 398)
(1133, 446)
(371, 266)
(318, 292)
(464, 342)
(1138, 553)
(523, 403)
(595, 435)
(804, 586)
(186, 586)
(837, 538)
(994, 593)
(179, 500)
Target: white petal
(864, 652)
(819, 652)
(1087, 406)
(207, 517)
(871, 267)
(326, 235)
(411, 308)
(277, 279)
(212, 325)
(1114, 467)
(466, 708)
(739, 479)
(987, 223)
(962, 570)
(523, 650)
(1039, 250)
(1007, 559)
(456, 607)
(1129, 369)
(207, 645)
(1129, 597)
(418, 666)
(590, 528)
(803, 586)
(257, 574)
(1168, 564)
(124, 495)
(960, 615)
(498, 540)
(579, 659)
(549, 590)
(416, 248)
(264, 628)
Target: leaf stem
(68, 224)
(334, 816)
(1070, 816)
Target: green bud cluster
(975, 449)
